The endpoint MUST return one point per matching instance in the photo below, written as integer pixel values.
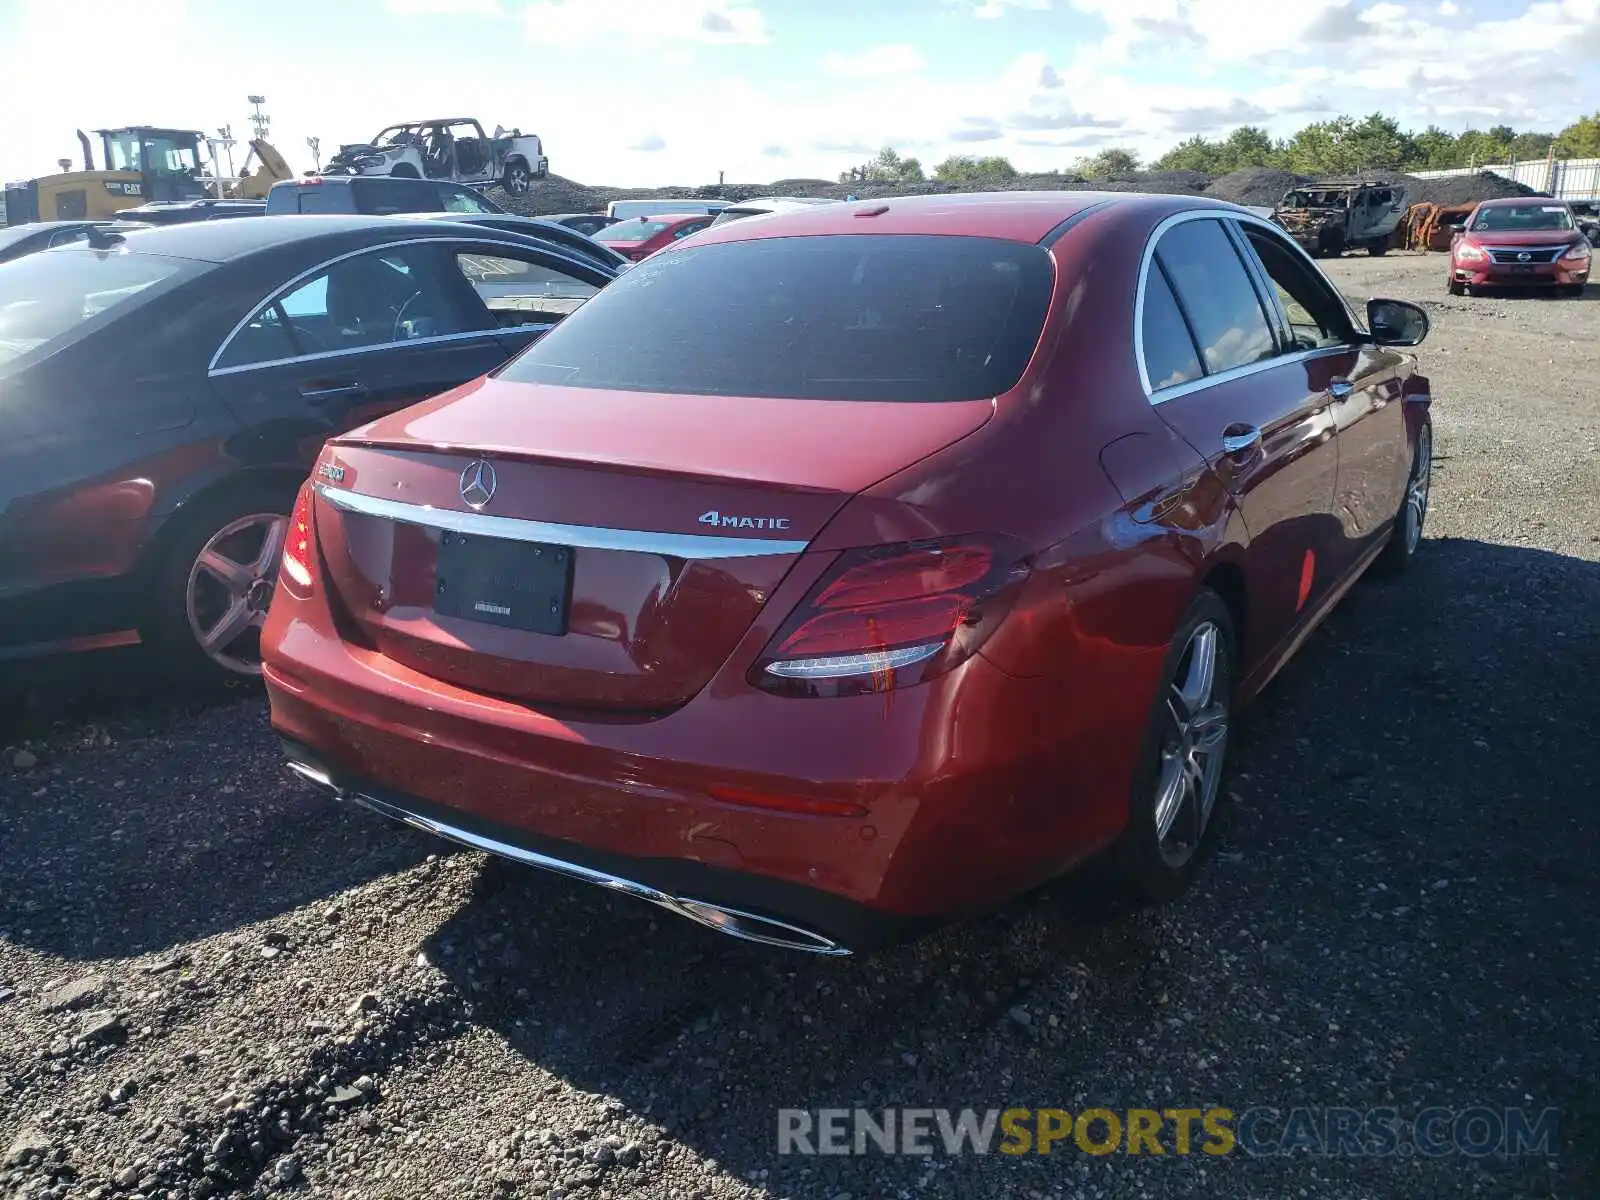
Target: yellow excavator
(142, 164)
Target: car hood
(1521, 237)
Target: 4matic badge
(730, 521)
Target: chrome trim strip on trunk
(585, 537)
(747, 927)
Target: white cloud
(644, 24)
(877, 62)
(445, 8)
(650, 143)
(992, 10)
(1448, 8)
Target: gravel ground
(213, 982)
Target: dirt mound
(1467, 189)
(1254, 185)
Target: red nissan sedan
(641, 238)
(1518, 242)
(858, 566)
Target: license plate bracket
(496, 581)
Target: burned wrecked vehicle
(451, 148)
(1337, 215)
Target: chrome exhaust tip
(732, 922)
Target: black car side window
(522, 291)
(377, 298)
(1210, 283)
(1170, 356)
(1317, 317)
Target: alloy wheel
(1192, 745)
(518, 180)
(1416, 511)
(230, 587)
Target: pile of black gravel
(1252, 186)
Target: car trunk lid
(587, 548)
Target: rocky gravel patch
(215, 983)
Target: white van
(763, 205)
(627, 210)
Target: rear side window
(47, 298)
(386, 196)
(1170, 357)
(1210, 282)
(843, 317)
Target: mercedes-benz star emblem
(1524, 257)
(478, 483)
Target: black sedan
(17, 240)
(588, 224)
(163, 393)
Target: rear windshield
(389, 195)
(842, 317)
(47, 297)
(1511, 217)
(630, 231)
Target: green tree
(1531, 145)
(1193, 154)
(1581, 139)
(1436, 150)
(1247, 146)
(1478, 148)
(1108, 164)
(970, 168)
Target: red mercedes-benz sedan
(857, 566)
(1519, 242)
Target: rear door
(1221, 377)
(1360, 384)
(350, 341)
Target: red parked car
(1520, 242)
(857, 566)
(642, 237)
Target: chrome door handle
(1241, 441)
(1340, 388)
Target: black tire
(404, 171)
(1377, 249)
(1456, 287)
(1406, 537)
(166, 626)
(517, 178)
(1148, 866)
(1572, 290)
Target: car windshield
(630, 231)
(1514, 218)
(842, 317)
(45, 298)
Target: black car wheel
(213, 583)
(1178, 784)
(1406, 539)
(518, 179)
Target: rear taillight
(298, 552)
(892, 616)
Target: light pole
(259, 119)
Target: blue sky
(643, 92)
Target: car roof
(224, 241)
(1512, 201)
(1015, 216)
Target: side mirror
(1396, 322)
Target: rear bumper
(966, 790)
(729, 902)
